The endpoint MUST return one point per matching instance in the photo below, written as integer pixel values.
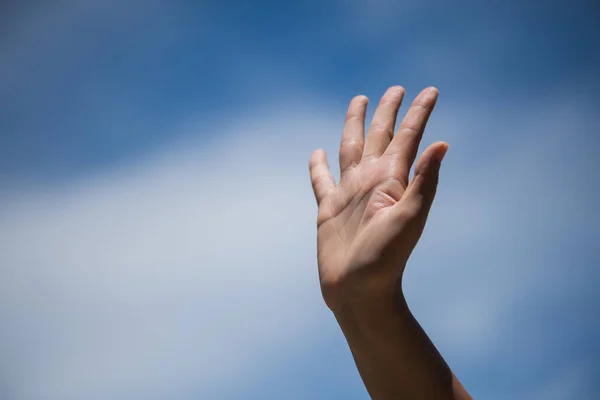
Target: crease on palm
(374, 181)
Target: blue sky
(157, 221)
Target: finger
(351, 146)
(320, 176)
(418, 198)
(382, 127)
(405, 143)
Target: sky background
(157, 224)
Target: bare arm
(368, 225)
(395, 357)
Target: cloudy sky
(157, 225)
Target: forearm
(394, 356)
(367, 226)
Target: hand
(369, 224)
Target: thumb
(419, 195)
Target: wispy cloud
(182, 271)
(188, 268)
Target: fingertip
(393, 96)
(437, 146)
(317, 156)
(396, 89)
(442, 152)
(443, 144)
(361, 98)
(427, 97)
(431, 157)
(358, 105)
(439, 150)
(394, 92)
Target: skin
(367, 227)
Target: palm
(371, 221)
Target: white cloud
(182, 270)
(179, 271)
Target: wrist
(364, 294)
(370, 313)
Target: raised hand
(371, 221)
(368, 225)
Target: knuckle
(349, 143)
(353, 164)
(409, 129)
(353, 117)
(409, 211)
(380, 129)
(317, 179)
(419, 105)
(399, 179)
(370, 158)
(390, 102)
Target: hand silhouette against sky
(368, 225)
